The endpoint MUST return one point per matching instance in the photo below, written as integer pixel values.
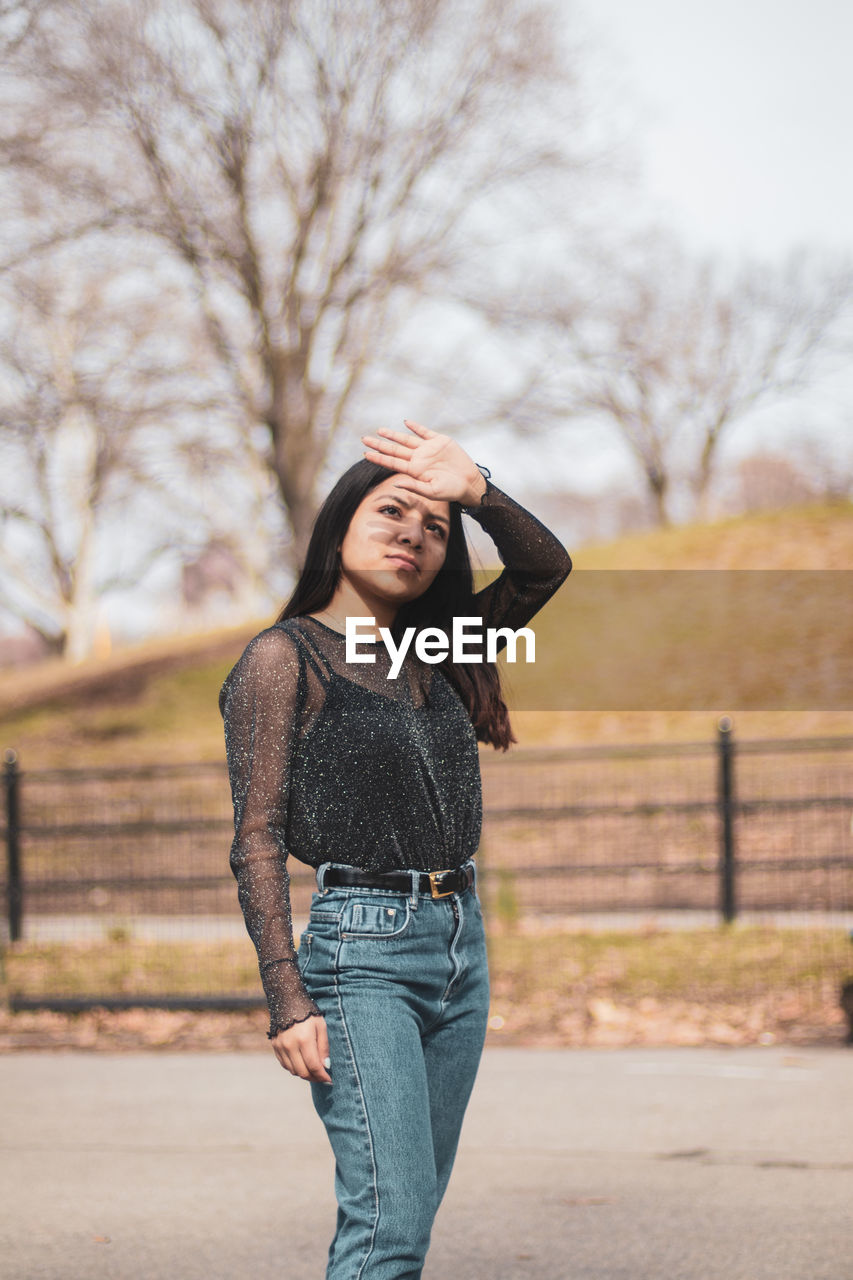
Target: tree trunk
(702, 479)
(658, 482)
(81, 605)
(298, 445)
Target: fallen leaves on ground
(545, 1020)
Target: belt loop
(321, 877)
(416, 889)
(472, 864)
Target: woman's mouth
(403, 562)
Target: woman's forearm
(535, 561)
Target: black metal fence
(722, 828)
(677, 835)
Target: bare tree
(674, 351)
(314, 170)
(98, 417)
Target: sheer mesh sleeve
(260, 703)
(535, 561)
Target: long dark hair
(450, 594)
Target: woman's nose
(412, 534)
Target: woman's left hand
(433, 465)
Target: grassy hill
(806, 537)
(158, 701)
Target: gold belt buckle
(433, 885)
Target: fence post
(725, 806)
(11, 779)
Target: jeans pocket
(375, 918)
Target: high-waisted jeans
(402, 982)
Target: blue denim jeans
(402, 982)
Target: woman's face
(396, 542)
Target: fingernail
(327, 1062)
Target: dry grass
(158, 701)
(805, 537)
(737, 985)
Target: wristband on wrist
(487, 475)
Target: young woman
(374, 780)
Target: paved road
(641, 1164)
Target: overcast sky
(740, 113)
(745, 114)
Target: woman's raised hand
(433, 465)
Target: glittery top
(334, 762)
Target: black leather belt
(440, 884)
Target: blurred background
(607, 245)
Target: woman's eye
(389, 509)
(438, 529)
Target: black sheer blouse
(334, 762)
